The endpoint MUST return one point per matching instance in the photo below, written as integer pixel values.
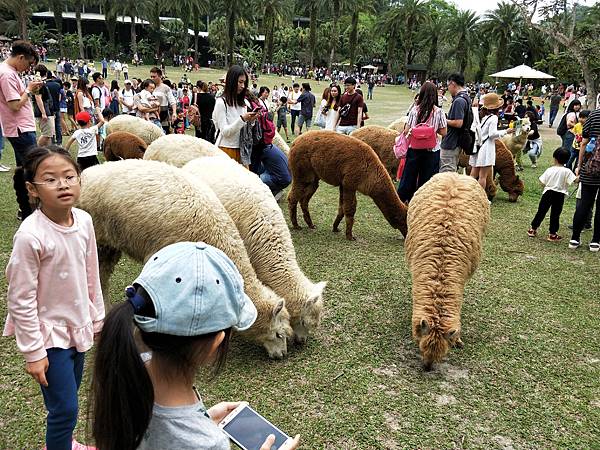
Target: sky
(481, 6)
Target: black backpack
(466, 137)
(562, 126)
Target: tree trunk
(133, 36)
(433, 49)
(314, 11)
(79, 30)
(111, 28)
(353, 37)
(501, 54)
(588, 77)
(231, 38)
(22, 20)
(57, 8)
(335, 31)
(406, 59)
(196, 20)
(266, 27)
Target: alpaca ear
(277, 309)
(317, 293)
(423, 328)
(450, 334)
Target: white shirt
(557, 178)
(294, 96)
(86, 138)
(127, 96)
(229, 122)
(118, 65)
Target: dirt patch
(444, 400)
(453, 373)
(389, 371)
(504, 442)
(595, 403)
(391, 421)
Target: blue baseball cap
(196, 289)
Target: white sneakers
(4, 168)
(594, 246)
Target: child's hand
(37, 370)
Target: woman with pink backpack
(425, 126)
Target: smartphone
(249, 430)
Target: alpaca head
(515, 189)
(398, 219)
(276, 333)
(434, 342)
(310, 315)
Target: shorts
(46, 126)
(346, 129)
(63, 110)
(304, 120)
(233, 153)
(282, 122)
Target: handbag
(401, 146)
(344, 110)
(423, 136)
(321, 120)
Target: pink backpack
(423, 136)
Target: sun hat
(83, 116)
(195, 288)
(127, 81)
(492, 101)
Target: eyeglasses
(70, 180)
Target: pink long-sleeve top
(54, 295)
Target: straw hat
(492, 101)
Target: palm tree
(22, 11)
(273, 12)
(336, 9)
(314, 6)
(357, 7)
(194, 9)
(133, 9)
(57, 7)
(464, 27)
(500, 23)
(111, 11)
(78, 5)
(234, 10)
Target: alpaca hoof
(312, 227)
(459, 344)
(296, 227)
(336, 230)
(350, 238)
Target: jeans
(64, 374)
(553, 113)
(57, 128)
(370, 94)
(1, 142)
(104, 72)
(294, 113)
(589, 194)
(567, 140)
(21, 145)
(420, 166)
(553, 201)
(573, 159)
(449, 160)
(346, 129)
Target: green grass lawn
(528, 376)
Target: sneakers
(553, 238)
(77, 446)
(532, 232)
(573, 244)
(4, 168)
(278, 195)
(534, 166)
(19, 215)
(594, 247)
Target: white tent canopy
(369, 67)
(522, 71)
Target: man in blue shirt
(271, 165)
(307, 101)
(104, 63)
(458, 111)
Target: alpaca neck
(389, 204)
(440, 298)
(289, 283)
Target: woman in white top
(231, 112)
(482, 162)
(331, 107)
(422, 164)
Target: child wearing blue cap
(185, 303)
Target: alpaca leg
(293, 206)
(349, 210)
(340, 214)
(308, 193)
(108, 258)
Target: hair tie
(135, 300)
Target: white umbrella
(369, 67)
(522, 71)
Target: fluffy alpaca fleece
(143, 129)
(141, 206)
(447, 218)
(279, 142)
(266, 236)
(346, 162)
(179, 149)
(490, 187)
(516, 143)
(398, 124)
(382, 141)
(123, 145)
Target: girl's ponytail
(122, 392)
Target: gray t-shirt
(183, 428)
(458, 111)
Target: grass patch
(527, 377)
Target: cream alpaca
(447, 218)
(141, 206)
(179, 149)
(266, 236)
(143, 129)
(281, 144)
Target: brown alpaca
(123, 145)
(382, 141)
(346, 162)
(504, 169)
(447, 218)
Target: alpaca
(447, 218)
(490, 186)
(398, 124)
(346, 162)
(123, 145)
(266, 236)
(143, 129)
(179, 149)
(382, 141)
(280, 143)
(141, 206)
(516, 143)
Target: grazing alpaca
(382, 141)
(516, 143)
(280, 143)
(346, 162)
(139, 207)
(398, 124)
(490, 186)
(179, 149)
(143, 129)
(123, 145)
(447, 218)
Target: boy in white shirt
(556, 180)
(87, 139)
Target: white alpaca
(279, 142)
(398, 124)
(145, 130)
(266, 236)
(179, 149)
(141, 206)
